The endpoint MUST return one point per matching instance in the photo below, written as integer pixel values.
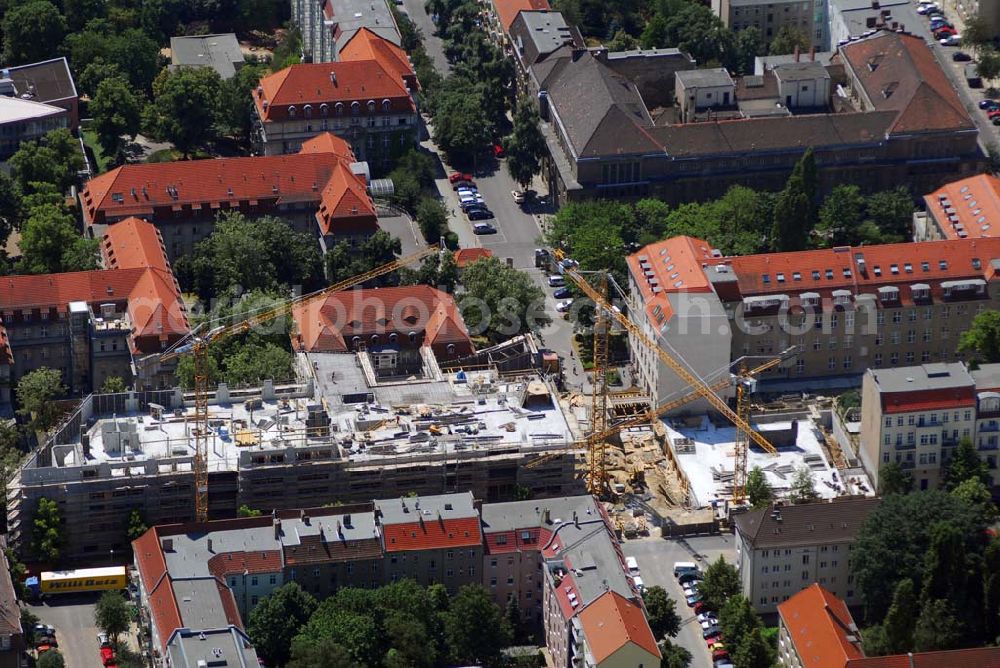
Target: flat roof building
(26, 120)
(47, 82)
(221, 52)
(328, 25)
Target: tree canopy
(721, 582)
(982, 338)
(111, 614)
(758, 490)
(30, 31)
(117, 113)
(36, 394)
(276, 620)
(47, 531)
(661, 612)
(526, 146)
(500, 301)
(185, 107)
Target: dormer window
(371, 106)
(355, 108)
(324, 110)
(386, 106)
(339, 108)
(292, 111)
(307, 111)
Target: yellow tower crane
(699, 385)
(197, 343)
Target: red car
(459, 176)
(107, 656)
(498, 150)
(944, 31)
(993, 113)
(720, 654)
(712, 640)
(700, 607)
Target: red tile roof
(928, 400)
(899, 73)
(818, 623)
(315, 84)
(345, 207)
(327, 142)
(611, 622)
(134, 244)
(156, 582)
(976, 657)
(507, 10)
(327, 325)
(673, 265)
(432, 534)
(514, 540)
(970, 206)
(141, 189)
(466, 256)
(232, 563)
(366, 45)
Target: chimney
(875, 4)
(277, 529)
(333, 77)
(796, 53)
(545, 516)
(601, 54)
(812, 54)
(210, 545)
(576, 520)
(347, 520)
(340, 529)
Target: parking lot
(656, 558)
(73, 618)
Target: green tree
(788, 39)
(526, 146)
(30, 31)
(475, 627)
(758, 490)
(56, 159)
(185, 107)
(356, 632)
(94, 73)
(47, 531)
(840, 216)
(749, 45)
(111, 614)
(247, 511)
(320, 653)
(462, 127)
(982, 338)
(51, 659)
(113, 385)
(117, 113)
(236, 106)
(673, 656)
(513, 620)
(282, 258)
(500, 301)
(276, 620)
(661, 612)
(721, 581)
(892, 543)
(438, 271)
(36, 395)
(988, 65)
(803, 489)
(136, 524)
(753, 652)
(126, 657)
(50, 243)
(621, 41)
(344, 261)
(79, 12)
(965, 464)
(899, 621)
(991, 589)
(432, 217)
(937, 627)
(894, 479)
(977, 496)
(794, 206)
(10, 206)
(977, 34)
(891, 212)
(737, 619)
(946, 568)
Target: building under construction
(341, 434)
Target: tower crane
(700, 387)
(199, 340)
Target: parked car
(928, 8)
(961, 57)
(693, 576)
(484, 228)
(938, 20)
(102, 640)
(459, 176)
(692, 599)
(518, 196)
(951, 40)
(107, 656)
(716, 645)
(989, 105)
(682, 567)
(721, 658)
(993, 113)
(562, 307)
(479, 213)
(463, 184)
(701, 607)
(705, 615)
(944, 31)
(556, 281)
(630, 562)
(498, 151)
(710, 631)
(563, 293)
(639, 584)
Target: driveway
(656, 558)
(422, 20)
(73, 618)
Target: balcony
(987, 447)
(989, 427)
(907, 465)
(905, 446)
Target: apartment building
(91, 325)
(12, 643)
(806, 16)
(915, 416)
(320, 190)
(363, 102)
(964, 209)
(501, 15)
(196, 579)
(49, 82)
(592, 612)
(613, 133)
(815, 628)
(782, 550)
(843, 310)
(327, 26)
(393, 325)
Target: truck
(76, 581)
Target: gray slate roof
(936, 376)
(224, 648)
(405, 510)
(537, 34)
(709, 78)
(221, 52)
(807, 524)
(987, 376)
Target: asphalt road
(73, 618)
(656, 558)
(422, 20)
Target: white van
(682, 567)
(556, 281)
(632, 564)
(639, 584)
